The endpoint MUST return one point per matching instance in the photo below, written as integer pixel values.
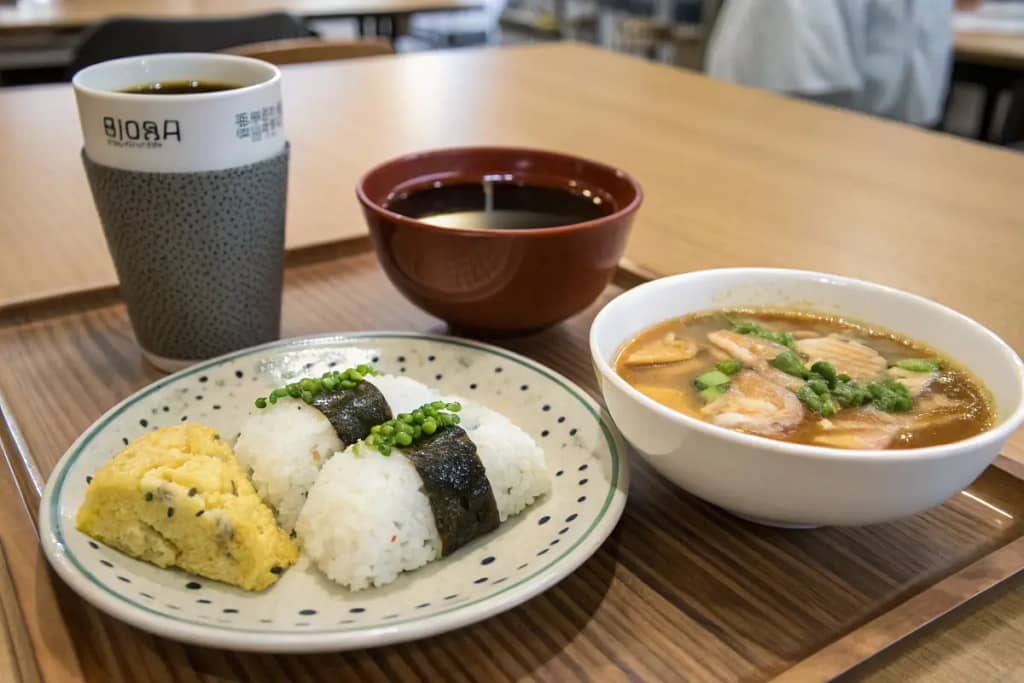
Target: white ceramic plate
(304, 612)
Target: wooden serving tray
(681, 590)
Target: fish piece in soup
(755, 404)
(744, 347)
(781, 378)
(934, 410)
(860, 428)
(915, 382)
(847, 356)
(668, 349)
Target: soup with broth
(805, 378)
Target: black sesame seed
(148, 496)
(561, 419)
(581, 499)
(357, 610)
(545, 433)
(542, 552)
(173, 607)
(292, 534)
(554, 542)
(422, 605)
(545, 407)
(482, 579)
(239, 374)
(571, 517)
(438, 376)
(167, 409)
(562, 531)
(125, 440)
(572, 432)
(451, 597)
(401, 369)
(559, 473)
(431, 358)
(544, 520)
(308, 366)
(125, 579)
(307, 612)
(170, 512)
(216, 406)
(88, 480)
(199, 397)
(375, 359)
(93, 545)
(582, 467)
(203, 379)
(193, 586)
(332, 363)
(144, 422)
(522, 567)
(146, 595)
(583, 482)
(184, 418)
(401, 359)
(230, 610)
(204, 601)
(234, 488)
(200, 513)
(192, 491)
(276, 569)
(472, 386)
(390, 616)
(524, 387)
(497, 369)
(487, 560)
(501, 580)
(105, 563)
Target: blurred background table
(39, 39)
(29, 15)
(993, 49)
(989, 53)
(733, 176)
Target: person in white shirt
(886, 57)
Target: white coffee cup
(180, 133)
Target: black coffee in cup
(182, 87)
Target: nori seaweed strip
(456, 485)
(353, 411)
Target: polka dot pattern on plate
(517, 556)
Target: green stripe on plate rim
(586, 401)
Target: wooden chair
(298, 50)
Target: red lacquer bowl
(498, 282)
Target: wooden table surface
(732, 176)
(990, 49)
(31, 15)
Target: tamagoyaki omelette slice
(177, 497)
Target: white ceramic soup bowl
(785, 484)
